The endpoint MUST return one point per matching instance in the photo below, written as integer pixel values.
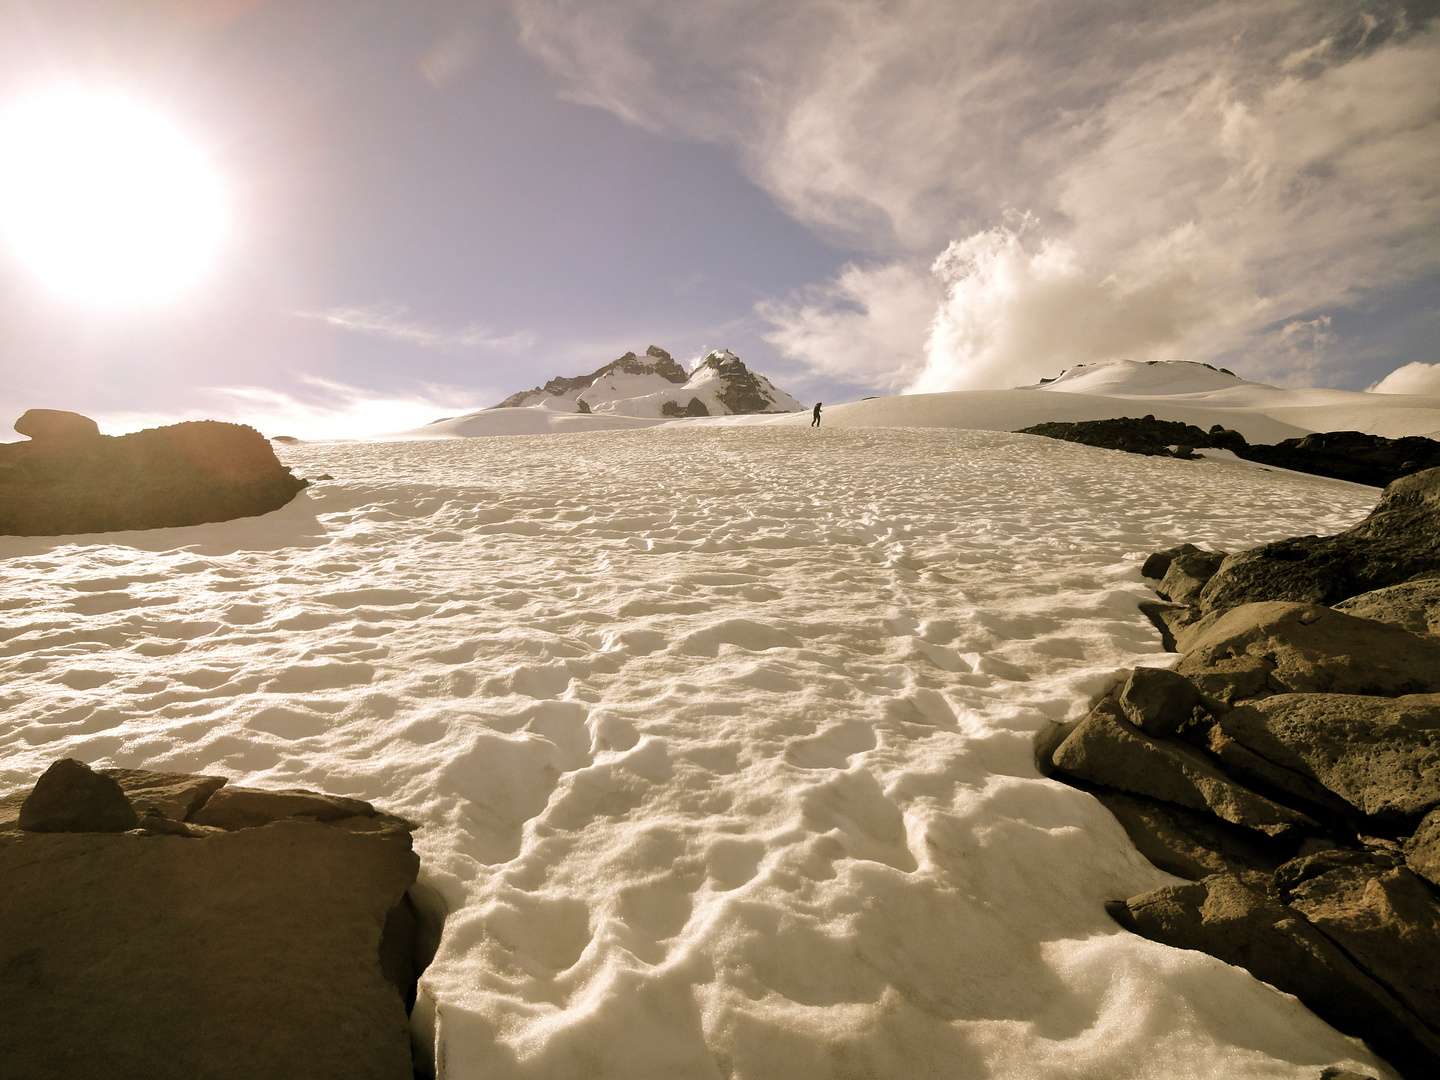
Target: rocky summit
(166, 925)
(68, 478)
(655, 385)
(1288, 767)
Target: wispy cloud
(1196, 177)
(394, 322)
(315, 409)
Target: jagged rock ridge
(655, 385)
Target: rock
(1158, 563)
(245, 808)
(695, 408)
(69, 797)
(184, 474)
(1399, 541)
(1158, 701)
(1169, 619)
(1385, 919)
(1259, 649)
(1224, 917)
(1422, 850)
(1412, 605)
(1193, 845)
(1263, 775)
(173, 796)
(277, 951)
(1350, 455)
(55, 426)
(1136, 436)
(1381, 755)
(1187, 575)
(244, 955)
(1105, 749)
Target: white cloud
(392, 321)
(318, 409)
(1237, 167)
(867, 327)
(1416, 378)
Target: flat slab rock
(181, 949)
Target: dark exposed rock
(69, 797)
(1159, 562)
(246, 808)
(1170, 619)
(695, 408)
(1381, 755)
(656, 361)
(1187, 574)
(1398, 541)
(1136, 436)
(56, 426)
(1193, 845)
(184, 474)
(1158, 701)
(742, 392)
(1275, 648)
(241, 952)
(1422, 848)
(1350, 455)
(1412, 605)
(1240, 925)
(1386, 920)
(1341, 455)
(1106, 749)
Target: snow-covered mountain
(655, 386)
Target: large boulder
(1412, 605)
(179, 950)
(1274, 648)
(69, 797)
(1187, 574)
(1106, 749)
(1385, 918)
(1400, 540)
(65, 480)
(1381, 755)
(1223, 916)
(56, 426)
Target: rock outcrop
(1341, 455)
(1289, 767)
(255, 935)
(71, 479)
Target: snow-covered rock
(655, 387)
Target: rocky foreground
(68, 478)
(1288, 766)
(160, 925)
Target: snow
(1171, 390)
(719, 735)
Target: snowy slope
(723, 765)
(1170, 390)
(630, 392)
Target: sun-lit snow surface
(1170, 390)
(719, 738)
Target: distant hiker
(816, 421)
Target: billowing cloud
(1196, 177)
(393, 321)
(1416, 378)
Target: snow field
(720, 737)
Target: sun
(105, 201)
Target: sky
(431, 204)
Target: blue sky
(438, 202)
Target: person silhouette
(816, 421)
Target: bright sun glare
(104, 200)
